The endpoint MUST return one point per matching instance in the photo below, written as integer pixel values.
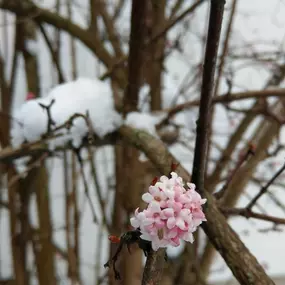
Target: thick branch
(8, 154)
(135, 60)
(243, 264)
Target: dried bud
(154, 180)
(174, 166)
(114, 239)
(30, 96)
(251, 148)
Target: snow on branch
(37, 117)
(68, 114)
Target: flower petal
(191, 186)
(145, 236)
(171, 222)
(159, 223)
(175, 241)
(154, 207)
(135, 222)
(147, 221)
(155, 245)
(147, 197)
(153, 190)
(164, 178)
(180, 224)
(172, 233)
(188, 237)
(167, 213)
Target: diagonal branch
(53, 54)
(265, 188)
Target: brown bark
(18, 229)
(37, 179)
(154, 268)
(129, 185)
(154, 68)
(15, 233)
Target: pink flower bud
(30, 96)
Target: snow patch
(144, 121)
(82, 96)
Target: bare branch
(53, 54)
(247, 213)
(214, 30)
(41, 15)
(265, 188)
(227, 98)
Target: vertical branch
(135, 60)
(37, 179)
(221, 67)
(93, 26)
(57, 33)
(256, 273)
(127, 175)
(5, 105)
(17, 244)
(18, 263)
(225, 47)
(200, 155)
(76, 214)
(67, 210)
(73, 250)
(203, 123)
(69, 204)
(156, 54)
(72, 46)
(154, 267)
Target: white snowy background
(260, 23)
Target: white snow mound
(79, 96)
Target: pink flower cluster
(173, 212)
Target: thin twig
(226, 98)
(243, 159)
(34, 164)
(98, 188)
(264, 189)
(247, 213)
(53, 54)
(86, 188)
